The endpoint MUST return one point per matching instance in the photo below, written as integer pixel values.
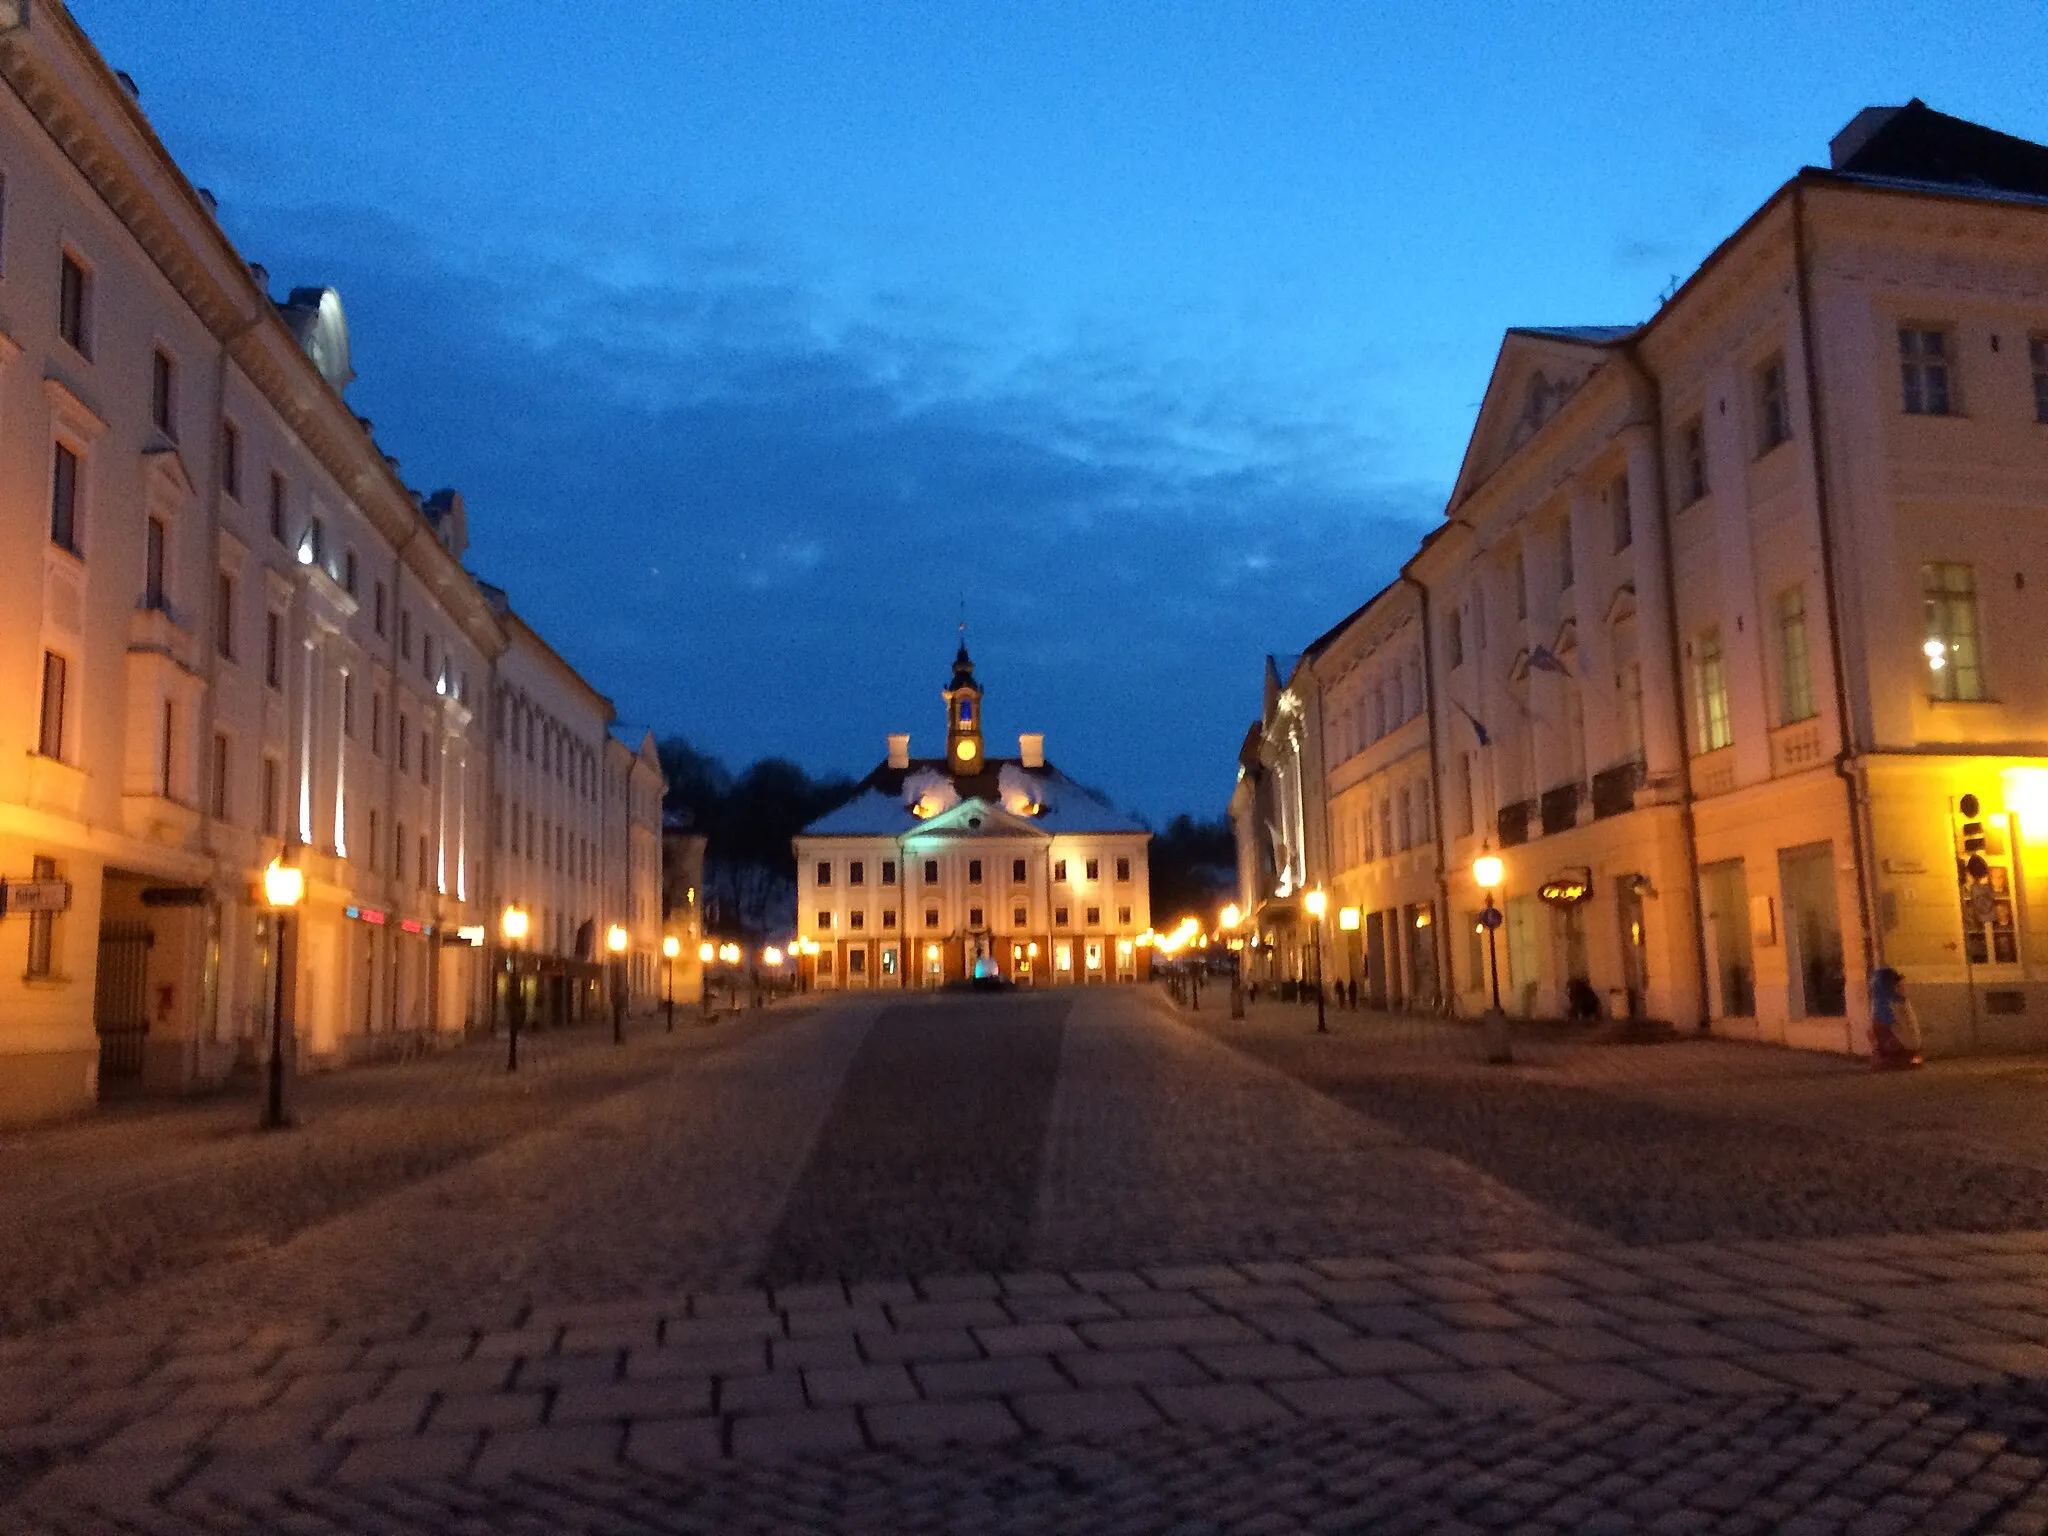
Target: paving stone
(986, 1378)
(1818, 1371)
(491, 1410)
(527, 1452)
(667, 1397)
(1167, 1332)
(1028, 1339)
(940, 1288)
(969, 1421)
(1479, 1391)
(1348, 1397)
(1379, 1357)
(1133, 1368)
(860, 1384)
(838, 1349)
(1094, 1412)
(813, 1432)
(674, 1444)
(734, 1358)
(1597, 1381)
(415, 1456)
(1258, 1362)
(930, 1316)
(933, 1344)
(381, 1417)
(1226, 1405)
(781, 1392)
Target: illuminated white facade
(952, 867)
(237, 635)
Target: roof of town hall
(879, 807)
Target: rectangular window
(1566, 575)
(1773, 410)
(154, 535)
(888, 917)
(377, 724)
(348, 572)
(824, 872)
(931, 917)
(64, 499)
(277, 496)
(2037, 351)
(1019, 871)
(50, 727)
(163, 383)
(1094, 868)
(1694, 462)
(1521, 584)
(1123, 917)
(1622, 513)
(1059, 917)
(231, 460)
(1467, 810)
(931, 871)
(1949, 600)
(224, 615)
(170, 746)
(856, 962)
(1710, 692)
(888, 871)
(856, 920)
(1123, 870)
(273, 649)
(405, 743)
(1093, 916)
(1019, 917)
(824, 919)
(74, 305)
(220, 776)
(857, 872)
(425, 757)
(1795, 663)
(974, 919)
(42, 926)
(974, 871)
(270, 797)
(1923, 371)
(377, 608)
(405, 651)
(1454, 637)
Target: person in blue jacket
(1888, 1008)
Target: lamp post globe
(615, 940)
(1487, 873)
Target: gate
(120, 1006)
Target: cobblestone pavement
(1245, 1301)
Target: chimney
(899, 750)
(1859, 131)
(1031, 749)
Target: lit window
(1923, 371)
(1710, 692)
(1949, 601)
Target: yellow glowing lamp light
(729, 953)
(1936, 652)
(1317, 904)
(671, 947)
(615, 939)
(1486, 871)
(1146, 939)
(1347, 919)
(771, 956)
(513, 924)
(1031, 949)
(966, 751)
(1232, 916)
(283, 885)
(931, 951)
(707, 952)
(1124, 946)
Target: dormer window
(967, 711)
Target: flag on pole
(1477, 729)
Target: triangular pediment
(1622, 606)
(1535, 373)
(977, 819)
(164, 480)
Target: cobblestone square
(1076, 1261)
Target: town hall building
(947, 868)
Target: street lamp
(1317, 904)
(1486, 874)
(671, 946)
(706, 953)
(1232, 915)
(512, 924)
(615, 941)
(284, 887)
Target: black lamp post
(512, 926)
(1486, 874)
(615, 941)
(1317, 904)
(284, 887)
(670, 948)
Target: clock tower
(963, 716)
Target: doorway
(1376, 959)
(120, 1002)
(1725, 890)
(1813, 931)
(1635, 949)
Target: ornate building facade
(961, 866)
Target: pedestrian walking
(1889, 1008)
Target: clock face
(965, 751)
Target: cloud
(756, 525)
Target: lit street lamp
(1317, 904)
(615, 941)
(706, 953)
(284, 887)
(1486, 874)
(671, 946)
(1232, 916)
(512, 926)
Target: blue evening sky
(760, 334)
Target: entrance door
(1522, 975)
(1570, 925)
(1813, 924)
(1635, 952)
(120, 1002)
(1418, 923)
(1726, 892)
(1376, 959)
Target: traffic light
(1975, 865)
